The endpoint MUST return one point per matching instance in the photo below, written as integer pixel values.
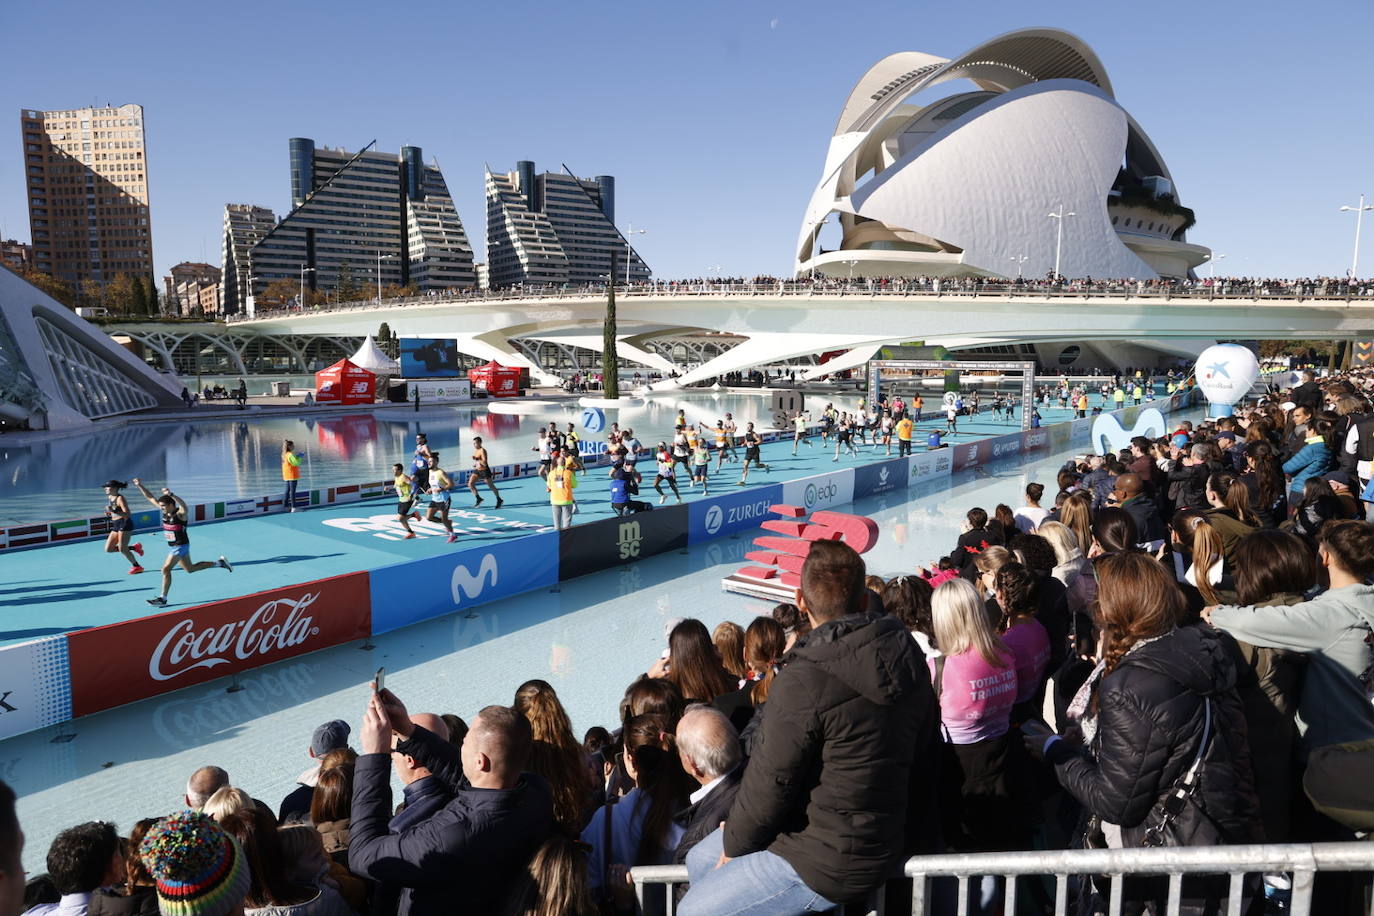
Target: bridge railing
(1334, 290)
(1297, 863)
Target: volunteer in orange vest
(917, 403)
(290, 473)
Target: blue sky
(713, 116)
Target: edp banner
(614, 541)
(421, 589)
(823, 491)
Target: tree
(387, 340)
(154, 308)
(279, 292)
(345, 287)
(52, 286)
(121, 295)
(610, 362)
(138, 297)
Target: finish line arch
(1026, 368)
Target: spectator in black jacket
(1130, 496)
(467, 855)
(1309, 393)
(822, 811)
(975, 538)
(709, 748)
(295, 807)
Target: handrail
(1301, 860)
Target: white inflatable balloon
(1225, 373)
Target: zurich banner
(880, 477)
(419, 590)
(713, 518)
(824, 491)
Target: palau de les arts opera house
(963, 184)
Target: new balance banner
(971, 454)
(35, 689)
(410, 592)
(880, 477)
(613, 541)
(713, 518)
(124, 662)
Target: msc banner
(713, 518)
(124, 662)
(410, 592)
(824, 491)
(35, 689)
(880, 477)
(613, 541)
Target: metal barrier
(1301, 862)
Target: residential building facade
(86, 171)
(244, 226)
(360, 220)
(192, 288)
(555, 229)
(16, 255)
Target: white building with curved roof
(964, 184)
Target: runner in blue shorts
(174, 514)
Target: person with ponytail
(1229, 513)
(1263, 478)
(763, 647)
(1200, 564)
(641, 830)
(1161, 696)
(556, 754)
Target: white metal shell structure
(964, 185)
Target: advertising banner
(713, 518)
(1033, 440)
(824, 491)
(498, 381)
(971, 454)
(345, 383)
(1007, 446)
(35, 689)
(929, 465)
(1080, 431)
(460, 389)
(124, 662)
(429, 357)
(880, 477)
(419, 590)
(613, 541)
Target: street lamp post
(629, 252)
(1020, 260)
(714, 269)
(380, 258)
(1212, 264)
(304, 270)
(1359, 218)
(1060, 216)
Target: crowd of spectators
(1173, 650)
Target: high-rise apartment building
(554, 228)
(192, 288)
(16, 255)
(86, 171)
(244, 226)
(359, 216)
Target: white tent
(371, 358)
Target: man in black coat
(974, 540)
(821, 817)
(709, 748)
(465, 857)
(1129, 495)
(1309, 393)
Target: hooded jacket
(1151, 711)
(850, 732)
(1334, 630)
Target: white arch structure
(963, 185)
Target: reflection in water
(227, 458)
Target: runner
(404, 485)
(573, 462)
(887, 425)
(752, 441)
(481, 471)
(904, 426)
(731, 437)
(844, 437)
(681, 449)
(632, 444)
(420, 465)
(701, 462)
(952, 417)
(121, 525)
(827, 423)
(722, 438)
(560, 483)
(440, 500)
(545, 449)
(800, 433)
(174, 527)
(666, 464)
(571, 440)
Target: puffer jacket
(849, 739)
(1150, 721)
(1312, 460)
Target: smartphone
(379, 682)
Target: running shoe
(739, 483)
(478, 503)
(414, 516)
(408, 536)
(664, 499)
(159, 601)
(137, 548)
(500, 502)
(452, 538)
(224, 564)
(135, 570)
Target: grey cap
(329, 737)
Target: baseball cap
(329, 737)
(198, 869)
(1340, 477)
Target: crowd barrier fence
(54, 679)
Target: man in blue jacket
(466, 856)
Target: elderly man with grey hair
(203, 783)
(709, 748)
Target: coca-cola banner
(129, 661)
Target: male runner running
(545, 449)
(481, 471)
(701, 460)
(121, 525)
(722, 442)
(799, 432)
(419, 465)
(174, 527)
(730, 437)
(666, 463)
(952, 417)
(404, 485)
(440, 500)
(844, 437)
(752, 441)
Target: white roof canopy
(371, 358)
